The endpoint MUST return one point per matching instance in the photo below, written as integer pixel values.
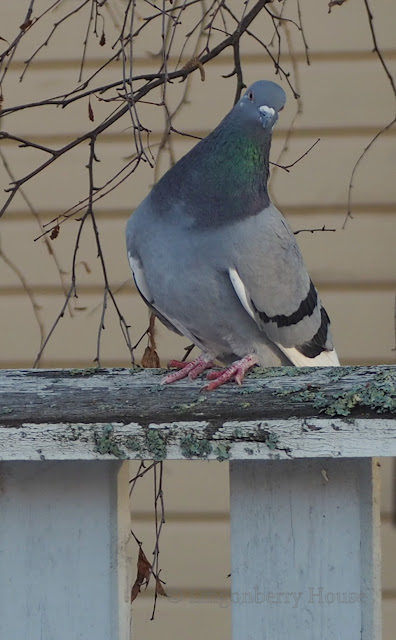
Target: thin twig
(28, 290)
(390, 124)
(306, 48)
(287, 167)
(70, 293)
(312, 230)
(39, 222)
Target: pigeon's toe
(188, 369)
(236, 371)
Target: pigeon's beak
(268, 117)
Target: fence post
(63, 565)
(305, 549)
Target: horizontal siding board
(345, 257)
(63, 47)
(151, 63)
(363, 325)
(58, 140)
(74, 340)
(322, 177)
(66, 180)
(363, 328)
(345, 29)
(359, 209)
(346, 99)
(348, 255)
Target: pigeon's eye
(250, 95)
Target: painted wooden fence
(304, 495)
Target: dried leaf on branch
(334, 3)
(90, 111)
(144, 571)
(150, 359)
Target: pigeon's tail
(323, 359)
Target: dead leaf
(195, 63)
(26, 25)
(90, 111)
(150, 358)
(85, 265)
(333, 3)
(102, 40)
(143, 574)
(159, 589)
(55, 232)
(135, 591)
(201, 70)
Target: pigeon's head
(260, 105)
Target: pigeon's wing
(271, 282)
(143, 288)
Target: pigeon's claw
(236, 371)
(188, 369)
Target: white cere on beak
(268, 110)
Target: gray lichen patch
(151, 445)
(148, 443)
(271, 439)
(222, 452)
(193, 447)
(155, 443)
(378, 394)
(133, 443)
(153, 372)
(105, 442)
(276, 372)
(190, 405)
(88, 371)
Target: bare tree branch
(158, 80)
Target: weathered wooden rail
(304, 503)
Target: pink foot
(190, 369)
(236, 371)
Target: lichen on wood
(377, 394)
(280, 413)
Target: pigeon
(216, 261)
